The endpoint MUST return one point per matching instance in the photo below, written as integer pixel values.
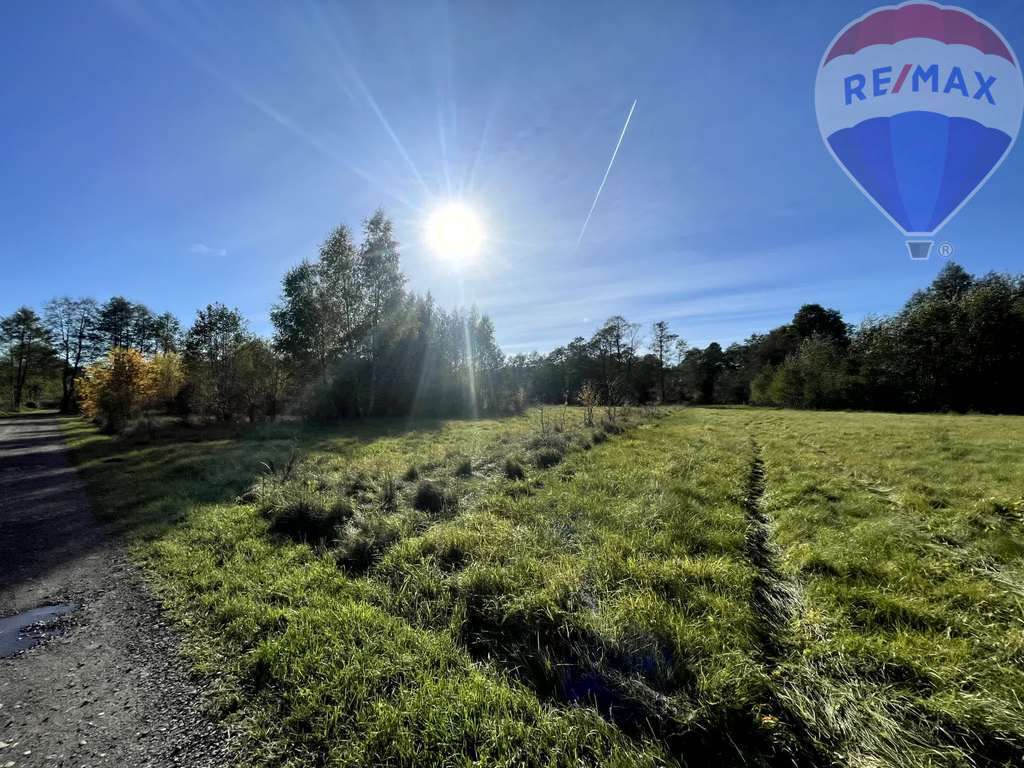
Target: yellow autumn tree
(166, 375)
(118, 388)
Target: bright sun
(454, 232)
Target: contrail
(607, 171)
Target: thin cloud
(202, 249)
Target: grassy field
(731, 586)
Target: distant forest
(350, 341)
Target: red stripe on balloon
(920, 21)
(901, 78)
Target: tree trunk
(67, 382)
(661, 376)
(373, 375)
(19, 380)
(373, 385)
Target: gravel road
(105, 685)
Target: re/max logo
(881, 77)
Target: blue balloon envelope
(919, 104)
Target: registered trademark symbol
(945, 249)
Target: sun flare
(454, 232)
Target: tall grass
(614, 607)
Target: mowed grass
(735, 586)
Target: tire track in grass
(776, 603)
(577, 667)
(826, 714)
(774, 599)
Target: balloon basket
(919, 249)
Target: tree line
(350, 341)
(44, 352)
(957, 345)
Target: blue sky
(181, 153)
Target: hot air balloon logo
(919, 104)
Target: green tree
(318, 318)
(663, 341)
(814, 320)
(114, 324)
(166, 332)
(123, 324)
(212, 348)
(381, 286)
(615, 344)
(488, 362)
(27, 344)
(709, 365)
(71, 324)
(260, 379)
(820, 367)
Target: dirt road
(105, 685)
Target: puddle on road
(24, 630)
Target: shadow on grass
(146, 480)
(34, 413)
(575, 667)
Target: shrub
(599, 437)
(411, 474)
(514, 470)
(611, 428)
(589, 398)
(464, 468)
(432, 498)
(309, 517)
(547, 457)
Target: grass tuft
(309, 516)
(612, 428)
(514, 470)
(547, 457)
(431, 498)
(363, 540)
(549, 441)
(387, 493)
